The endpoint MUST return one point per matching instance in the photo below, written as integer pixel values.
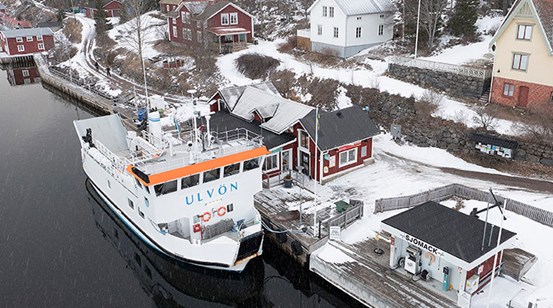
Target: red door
(523, 97)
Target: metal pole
(485, 226)
(417, 33)
(495, 256)
(315, 171)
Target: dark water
(59, 247)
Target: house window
(364, 151)
(26, 74)
(233, 18)
(336, 32)
(380, 29)
(187, 34)
(131, 204)
(198, 36)
(304, 139)
(19, 39)
(20, 48)
(271, 162)
(524, 32)
(331, 11)
(520, 62)
(41, 46)
(508, 89)
(319, 29)
(185, 17)
(224, 19)
(39, 38)
(29, 38)
(325, 10)
(348, 157)
(175, 33)
(358, 32)
(190, 181)
(251, 164)
(212, 175)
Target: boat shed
(435, 242)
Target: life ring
(431, 257)
(206, 216)
(221, 211)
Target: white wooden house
(345, 27)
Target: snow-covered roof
(196, 7)
(231, 94)
(228, 30)
(253, 99)
(359, 7)
(287, 113)
(26, 32)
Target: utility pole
(417, 34)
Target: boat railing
(118, 162)
(237, 135)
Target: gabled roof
(216, 7)
(231, 95)
(542, 10)
(360, 7)
(92, 4)
(196, 7)
(253, 99)
(286, 115)
(26, 32)
(340, 127)
(453, 232)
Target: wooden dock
(368, 278)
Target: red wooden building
(23, 75)
(344, 141)
(113, 9)
(220, 25)
(26, 41)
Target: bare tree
(431, 12)
(485, 119)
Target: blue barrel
(141, 114)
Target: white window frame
(349, 161)
(175, 31)
(508, 89)
(29, 38)
(331, 12)
(319, 29)
(19, 39)
(233, 18)
(25, 73)
(358, 32)
(524, 32)
(187, 34)
(300, 133)
(520, 61)
(336, 32)
(325, 11)
(39, 38)
(364, 150)
(276, 165)
(40, 46)
(185, 17)
(20, 48)
(380, 29)
(224, 17)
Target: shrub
(256, 66)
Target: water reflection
(171, 283)
(22, 73)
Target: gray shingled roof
(196, 7)
(340, 127)
(223, 121)
(26, 32)
(231, 95)
(212, 9)
(545, 13)
(453, 232)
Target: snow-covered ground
(153, 30)
(405, 170)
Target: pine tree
(464, 18)
(101, 18)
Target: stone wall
(454, 84)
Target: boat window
(212, 175)
(131, 204)
(146, 202)
(190, 181)
(165, 188)
(140, 213)
(251, 164)
(231, 170)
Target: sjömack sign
(415, 241)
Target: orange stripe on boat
(201, 166)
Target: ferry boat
(187, 194)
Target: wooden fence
(351, 214)
(465, 192)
